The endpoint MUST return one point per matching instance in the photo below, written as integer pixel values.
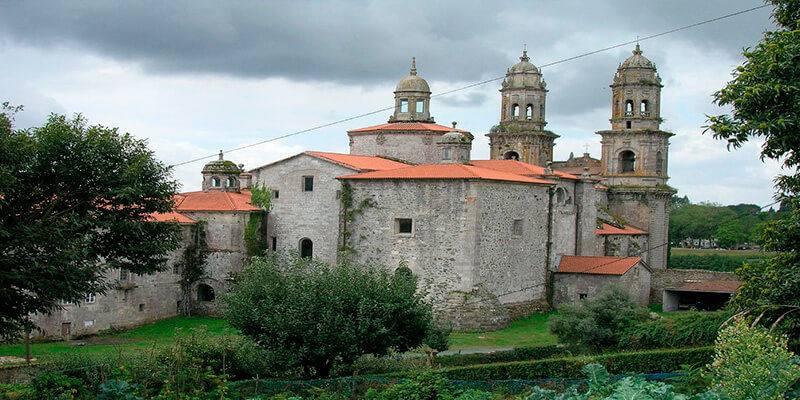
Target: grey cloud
(470, 99)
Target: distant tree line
(728, 226)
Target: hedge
(616, 363)
(684, 330)
(518, 354)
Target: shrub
(518, 354)
(55, 386)
(750, 363)
(596, 321)
(311, 316)
(684, 330)
(425, 386)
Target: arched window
(659, 163)
(511, 155)
(205, 293)
(627, 162)
(515, 111)
(231, 182)
(560, 195)
(628, 108)
(529, 112)
(306, 248)
(644, 109)
(215, 182)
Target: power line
(478, 83)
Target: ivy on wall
(192, 265)
(348, 216)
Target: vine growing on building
(253, 234)
(191, 266)
(349, 214)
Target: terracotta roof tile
(710, 286)
(446, 171)
(518, 167)
(171, 217)
(364, 163)
(597, 264)
(214, 201)
(407, 126)
(607, 229)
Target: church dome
(413, 83)
(455, 136)
(222, 166)
(637, 60)
(524, 64)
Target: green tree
(74, 202)
(596, 321)
(730, 234)
(764, 95)
(312, 316)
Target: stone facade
(415, 147)
(570, 288)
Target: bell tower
(635, 150)
(412, 98)
(521, 134)
(635, 153)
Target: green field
(716, 252)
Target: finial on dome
(638, 51)
(413, 65)
(524, 56)
(220, 154)
(454, 124)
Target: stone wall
(568, 288)
(297, 214)
(648, 209)
(670, 278)
(623, 245)
(416, 147)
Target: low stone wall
(476, 310)
(669, 278)
(526, 308)
(17, 373)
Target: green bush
(712, 262)
(424, 386)
(616, 363)
(518, 354)
(596, 321)
(55, 386)
(684, 330)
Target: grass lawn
(142, 338)
(528, 331)
(716, 252)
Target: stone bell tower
(412, 98)
(521, 134)
(635, 153)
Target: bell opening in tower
(511, 155)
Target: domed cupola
(221, 175)
(636, 94)
(412, 98)
(455, 146)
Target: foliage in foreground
(313, 316)
(75, 201)
(595, 321)
(750, 363)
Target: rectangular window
(403, 105)
(403, 225)
(88, 323)
(276, 194)
(445, 154)
(308, 183)
(464, 155)
(582, 296)
(420, 106)
(274, 243)
(90, 298)
(516, 227)
(124, 275)
(141, 307)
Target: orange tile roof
(171, 217)
(710, 286)
(407, 126)
(518, 167)
(446, 171)
(364, 163)
(607, 229)
(597, 264)
(214, 201)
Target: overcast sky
(194, 77)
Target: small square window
(516, 227)
(141, 307)
(582, 296)
(403, 225)
(308, 183)
(90, 298)
(420, 106)
(276, 194)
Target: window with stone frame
(446, 153)
(276, 194)
(403, 105)
(403, 226)
(308, 183)
(420, 106)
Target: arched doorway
(306, 248)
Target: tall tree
(765, 99)
(75, 201)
